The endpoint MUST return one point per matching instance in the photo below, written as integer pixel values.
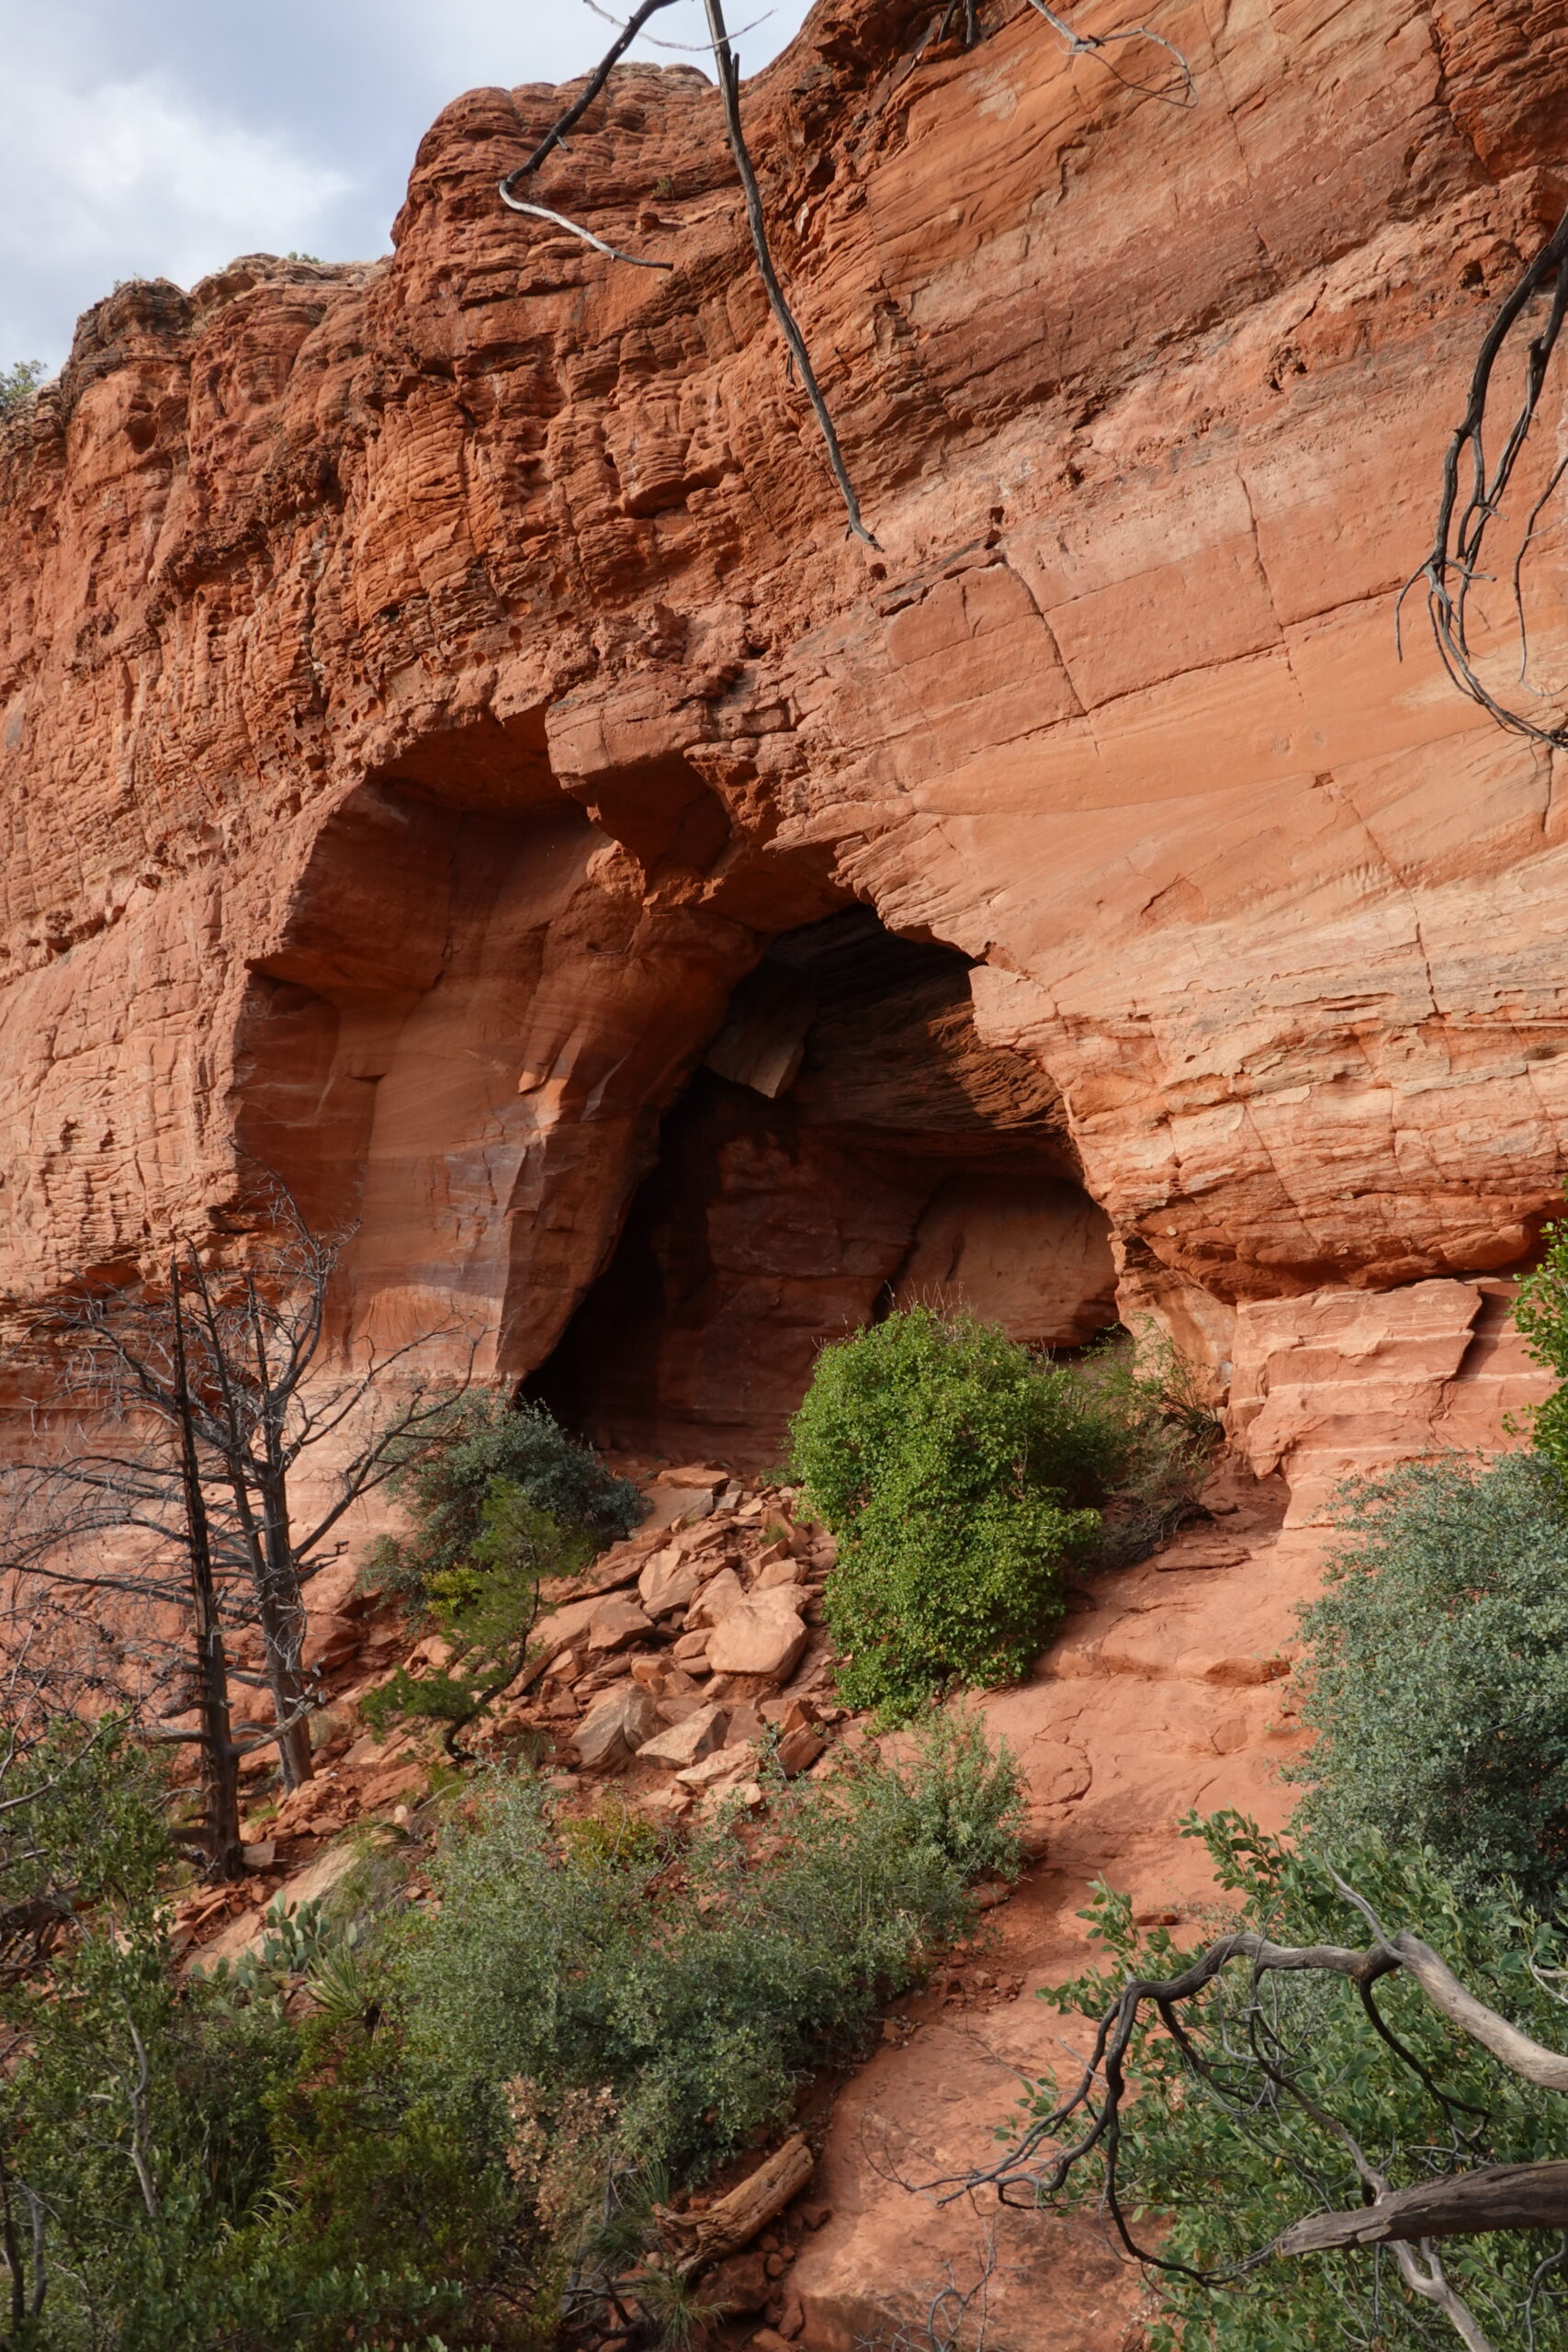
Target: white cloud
(134, 170)
(159, 138)
(132, 178)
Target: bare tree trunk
(220, 1757)
(282, 1602)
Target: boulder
(612, 1732)
(684, 1744)
(762, 1635)
(718, 1598)
(615, 1623)
(668, 1582)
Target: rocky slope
(451, 755)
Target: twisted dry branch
(1461, 2203)
(1465, 516)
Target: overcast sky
(159, 138)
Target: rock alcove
(846, 1144)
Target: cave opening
(848, 1145)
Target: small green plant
(613, 1835)
(960, 1474)
(449, 1477)
(484, 1606)
(19, 382)
(697, 1984)
(1540, 1316)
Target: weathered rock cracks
(451, 756)
(426, 687)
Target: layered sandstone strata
(426, 688)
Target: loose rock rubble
(669, 1668)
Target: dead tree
(169, 1512)
(1466, 2199)
(1177, 89)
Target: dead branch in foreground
(1464, 2202)
(1180, 92)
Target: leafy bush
(448, 1481)
(1215, 2160)
(414, 2163)
(695, 1985)
(1436, 1672)
(1540, 1314)
(959, 1472)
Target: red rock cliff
(426, 690)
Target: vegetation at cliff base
(961, 1474)
(442, 2123)
(477, 1447)
(1308, 2102)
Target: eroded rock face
(426, 687)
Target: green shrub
(1540, 1314)
(959, 1472)
(1436, 1672)
(19, 383)
(446, 1483)
(485, 1607)
(695, 1985)
(1215, 2159)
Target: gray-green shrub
(1436, 1672)
(446, 1481)
(699, 1985)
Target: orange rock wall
(424, 687)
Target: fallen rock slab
(724, 1764)
(611, 1733)
(718, 1598)
(681, 1744)
(763, 1634)
(617, 1624)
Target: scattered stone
(761, 1635)
(790, 1713)
(722, 1764)
(261, 1856)
(718, 1598)
(692, 1646)
(667, 1583)
(615, 1623)
(650, 1672)
(681, 1744)
(746, 1723)
(612, 1732)
(798, 1750)
(695, 1474)
(776, 1574)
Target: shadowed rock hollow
(452, 755)
(436, 692)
